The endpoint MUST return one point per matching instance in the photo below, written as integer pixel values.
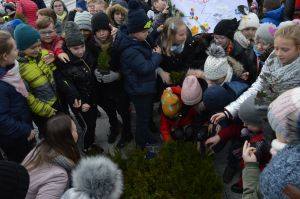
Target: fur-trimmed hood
(112, 9)
(96, 178)
(237, 67)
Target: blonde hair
(291, 32)
(168, 34)
(5, 46)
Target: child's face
(78, 51)
(58, 8)
(141, 36)
(48, 34)
(262, 46)
(160, 5)
(100, 8)
(286, 50)
(181, 35)
(102, 35)
(249, 33)
(252, 128)
(91, 8)
(86, 33)
(34, 50)
(10, 57)
(221, 40)
(119, 18)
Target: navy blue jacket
(138, 64)
(15, 119)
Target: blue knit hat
(25, 36)
(137, 18)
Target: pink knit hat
(191, 92)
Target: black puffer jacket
(75, 79)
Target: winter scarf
(13, 78)
(177, 49)
(62, 17)
(242, 40)
(65, 163)
(277, 79)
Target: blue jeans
(143, 109)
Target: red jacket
(29, 9)
(55, 46)
(166, 124)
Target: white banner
(203, 15)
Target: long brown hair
(5, 45)
(58, 140)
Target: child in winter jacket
(36, 70)
(138, 64)
(15, 118)
(111, 95)
(117, 15)
(159, 13)
(179, 111)
(50, 40)
(77, 82)
(273, 12)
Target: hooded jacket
(106, 177)
(273, 16)
(138, 63)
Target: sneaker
(228, 174)
(237, 188)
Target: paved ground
(102, 131)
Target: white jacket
(273, 73)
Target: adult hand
(111, 77)
(249, 153)
(212, 141)
(85, 107)
(98, 76)
(216, 118)
(48, 59)
(77, 103)
(31, 135)
(157, 49)
(292, 192)
(63, 57)
(165, 76)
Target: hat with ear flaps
(72, 34)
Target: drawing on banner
(201, 16)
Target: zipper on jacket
(86, 64)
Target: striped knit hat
(283, 115)
(83, 20)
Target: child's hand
(166, 10)
(157, 49)
(248, 153)
(113, 31)
(63, 57)
(85, 107)
(245, 76)
(196, 72)
(31, 136)
(77, 103)
(48, 59)
(165, 76)
(216, 118)
(160, 28)
(213, 141)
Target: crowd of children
(240, 84)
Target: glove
(98, 76)
(111, 77)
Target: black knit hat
(100, 21)
(226, 27)
(72, 34)
(14, 180)
(137, 18)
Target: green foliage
(178, 172)
(103, 60)
(177, 77)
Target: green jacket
(251, 181)
(41, 86)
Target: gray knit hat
(96, 177)
(283, 115)
(83, 20)
(265, 33)
(248, 112)
(72, 34)
(216, 65)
